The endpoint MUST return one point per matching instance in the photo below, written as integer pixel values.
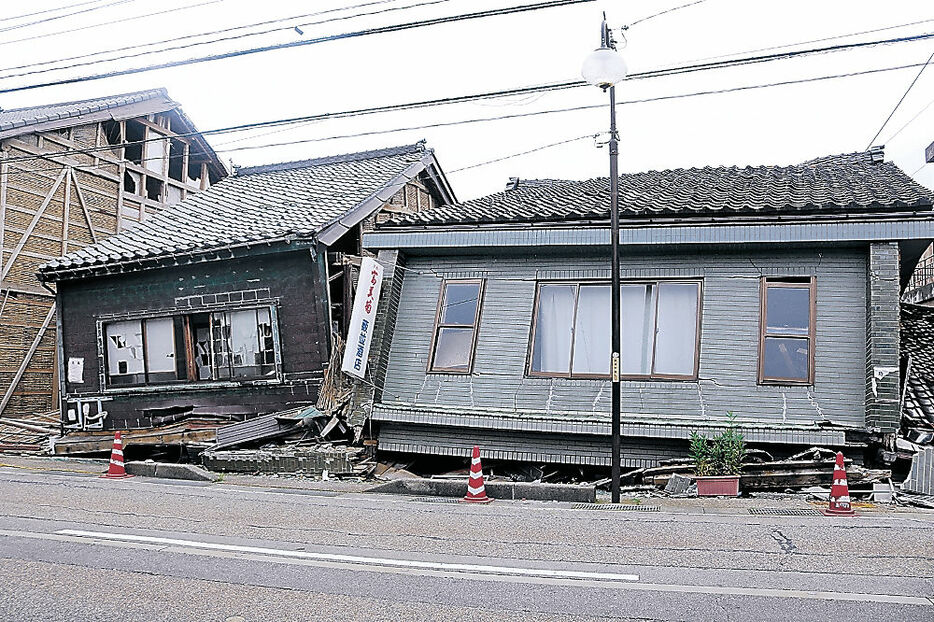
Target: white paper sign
(76, 370)
(363, 318)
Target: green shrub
(700, 453)
(721, 455)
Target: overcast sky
(775, 125)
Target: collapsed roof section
(51, 117)
(318, 199)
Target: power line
(452, 123)
(522, 153)
(44, 11)
(910, 121)
(294, 44)
(221, 40)
(820, 40)
(450, 100)
(186, 37)
(110, 23)
(330, 116)
(57, 17)
(734, 89)
(671, 10)
(670, 71)
(904, 95)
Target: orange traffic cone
(116, 470)
(839, 492)
(476, 490)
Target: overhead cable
(91, 150)
(904, 95)
(304, 42)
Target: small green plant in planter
(719, 461)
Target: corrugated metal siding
(729, 338)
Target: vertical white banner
(363, 318)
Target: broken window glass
(197, 347)
(456, 328)
(125, 353)
(160, 349)
(243, 344)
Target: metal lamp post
(604, 67)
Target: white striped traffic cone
(839, 492)
(476, 491)
(116, 469)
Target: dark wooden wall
(290, 279)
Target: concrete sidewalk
(644, 503)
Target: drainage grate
(437, 499)
(785, 511)
(612, 507)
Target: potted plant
(718, 461)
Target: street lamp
(604, 67)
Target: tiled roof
(856, 182)
(917, 341)
(260, 203)
(24, 117)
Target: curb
(496, 490)
(171, 471)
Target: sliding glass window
(659, 324)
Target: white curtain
(637, 325)
(591, 342)
(676, 340)
(553, 328)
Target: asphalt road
(75, 547)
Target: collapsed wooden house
(223, 307)
(769, 292)
(72, 174)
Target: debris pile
(28, 434)
(324, 461)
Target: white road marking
(355, 559)
(66, 535)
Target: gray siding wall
(729, 337)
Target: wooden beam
(32, 225)
(22, 368)
(3, 181)
(67, 211)
(84, 207)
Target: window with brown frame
(659, 324)
(786, 330)
(456, 322)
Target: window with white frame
(222, 345)
(659, 324)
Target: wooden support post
(32, 225)
(3, 182)
(66, 216)
(22, 368)
(84, 207)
